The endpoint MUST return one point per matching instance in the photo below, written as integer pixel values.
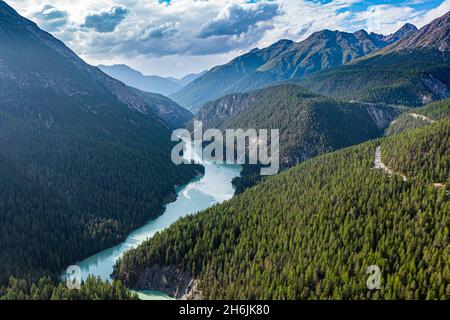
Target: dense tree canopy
(409, 120)
(309, 124)
(405, 77)
(311, 232)
(47, 289)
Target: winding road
(421, 117)
(381, 166)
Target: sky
(177, 37)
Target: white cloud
(387, 19)
(435, 13)
(157, 36)
(51, 18)
(236, 19)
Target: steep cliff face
(380, 116)
(170, 280)
(438, 89)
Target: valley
(88, 175)
(203, 192)
(309, 232)
(84, 159)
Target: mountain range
(412, 72)
(311, 123)
(285, 60)
(155, 84)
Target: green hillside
(312, 231)
(419, 117)
(410, 77)
(285, 59)
(423, 155)
(309, 124)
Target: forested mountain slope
(414, 71)
(83, 160)
(62, 72)
(309, 124)
(284, 60)
(421, 155)
(168, 110)
(419, 117)
(409, 78)
(312, 232)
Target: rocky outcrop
(437, 87)
(382, 117)
(214, 113)
(170, 280)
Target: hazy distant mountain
(412, 71)
(284, 60)
(156, 84)
(137, 80)
(187, 79)
(84, 159)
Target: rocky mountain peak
(435, 35)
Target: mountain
(313, 231)
(309, 124)
(435, 35)
(413, 71)
(156, 84)
(282, 61)
(217, 81)
(164, 108)
(137, 80)
(84, 159)
(187, 79)
(404, 32)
